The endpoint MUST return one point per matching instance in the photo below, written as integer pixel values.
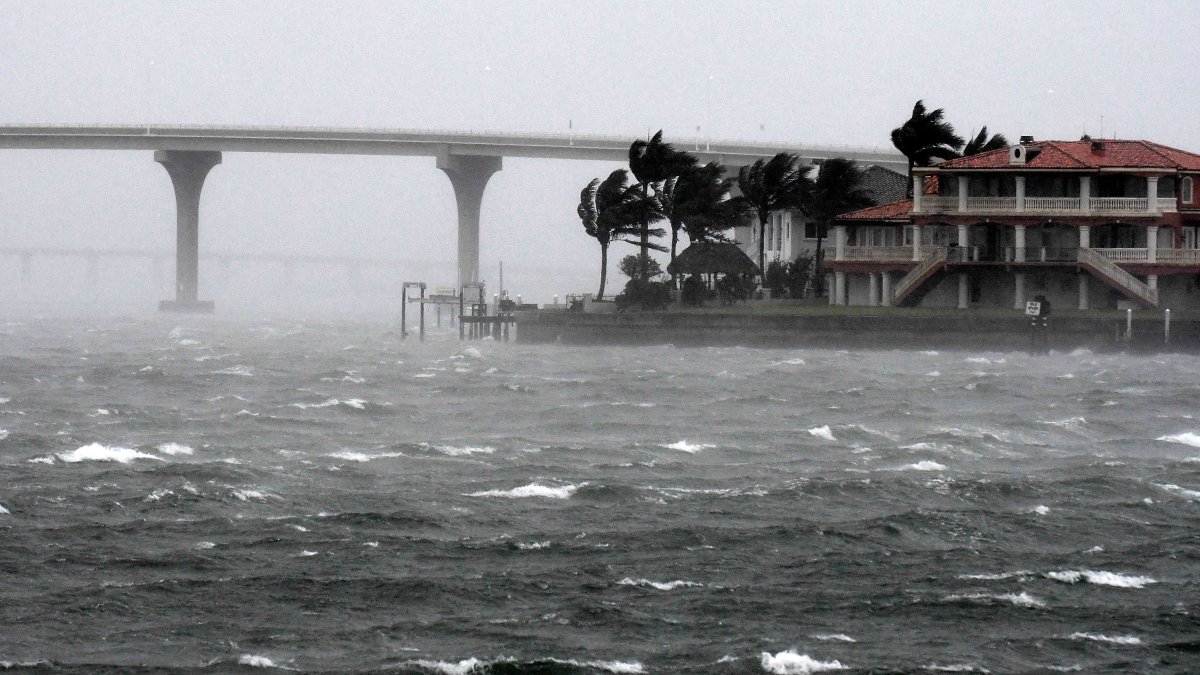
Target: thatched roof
(712, 257)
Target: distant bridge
(469, 159)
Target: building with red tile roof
(1090, 223)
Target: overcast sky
(798, 72)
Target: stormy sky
(796, 72)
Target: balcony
(1104, 206)
(877, 253)
(1029, 255)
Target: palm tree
(924, 137)
(838, 189)
(695, 201)
(981, 143)
(653, 162)
(614, 210)
(769, 185)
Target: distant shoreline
(953, 329)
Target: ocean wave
(790, 663)
(352, 456)
(253, 495)
(998, 576)
(822, 432)
(4, 511)
(461, 451)
(532, 546)
(923, 465)
(659, 585)
(832, 637)
(956, 668)
(175, 449)
(1021, 599)
(239, 370)
(356, 403)
(96, 452)
(3, 434)
(532, 490)
(256, 660)
(692, 448)
(1185, 438)
(1100, 578)
(1130, 640)
(1181, 491)
(474, 666)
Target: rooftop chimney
(1027, 139)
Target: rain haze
(816, 73)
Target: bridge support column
(469, 176)
(188, 169)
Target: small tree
(613, 210)
(769, 185)
(837, 190)
(653, 162)
(925, 136)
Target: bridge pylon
(469, 175)
(188, 169)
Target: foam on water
(790, 663)
(175, 449)
(924, 465)
(255, 660)
(833, 637)
(1021, 599)
(464, 667)
(532, 490)
(3, 434)
(998, 576)
(1129, 640)
(461, 451)
(1192, 495)
(822, 432)
(1186, 438)
(3, 511)
(692, 448)
(1041, 509)
(1100, 578)
(353, 456)
(95, 452)
(239, 370)
(659, 585)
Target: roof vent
(1017, 154)
(1097, 146)
(1027, 139)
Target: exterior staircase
(1107, 271)
(932, 264)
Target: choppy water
(220, 494)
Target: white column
(1152, 281)
(887, 296)
(1085, 236)
(1083, 290)
(1019, 236)
(1019, 290)
(962, 236)
(918, 191)
(839, 287)
(839, 242)
(1152, 243)
(830, 289)
(962, 291)
(962, 193)
(1085, 193)
(916, 235)
(1152, 193)
(873, 290)
(1020, 193)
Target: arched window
(1185, 190)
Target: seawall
(961, 330)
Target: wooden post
(404, 312)
(422, 312)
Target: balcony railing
(1125, 255)
(877, 253)
(1178, 256)
(1072, 205)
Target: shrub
(734, 287)
(799, 275)
(777, 278)
(630, 266)
(640, 294)
(694, 292)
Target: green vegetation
(926, 136)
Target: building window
(1186, 190)
(813, 231)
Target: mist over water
(210, 493)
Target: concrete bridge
(468, 159)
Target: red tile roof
(893, 211)
(1097, 154)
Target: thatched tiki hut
(703, 260)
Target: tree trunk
(603, 270)
(674, 241)
(762, 250)
(644, 255)
(817, 279)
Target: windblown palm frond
(981, 143)
(924, 137)
(768, 185)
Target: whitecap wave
(253, 495)
(239, 370)
(3, 511)
(692, 448)
(532, 490)
(790, 663)
(3, 434)
(1181, 491)
(462, 451)
(924, 465)
(255, 660)
(175, 449)
(998, 576)
(1101, 578)
(96, 452)
(1185, 438)
(659, 585)
(833, 637)
(822, 432)
(464, 667)
(356, 403)
(1041, 509)
(1021, 599)
(533, 545)
(956, 668)
(1130, 640)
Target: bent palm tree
(924, 137)
(695, 202)
(614, 210)
(653, 162)
(838, 189)
(769, 185)
(981, 143)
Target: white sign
(1033, 308)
